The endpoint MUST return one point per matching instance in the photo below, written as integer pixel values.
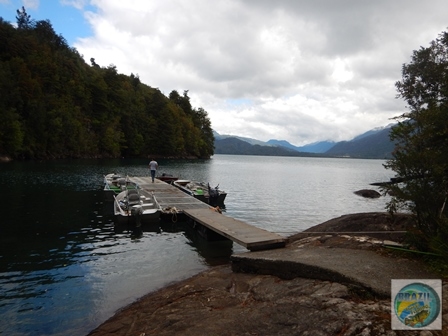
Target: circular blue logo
(417, 305)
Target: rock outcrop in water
(368, 193)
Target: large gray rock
(368, 193)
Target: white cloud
(78, 4)
(298, 70)
(31, 4)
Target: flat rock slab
(361, 268)
(220, 302)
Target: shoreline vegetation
(220, 300)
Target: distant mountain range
(374, 144)
(315, 147)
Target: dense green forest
(55, 105)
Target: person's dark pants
(153, 174)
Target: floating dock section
(249, 236)
(174, 201)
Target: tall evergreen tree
(23, 19)
(421, 156)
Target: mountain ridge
(315, 147)
(373, 144)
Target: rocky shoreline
(224, 302)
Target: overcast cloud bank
(298, 70)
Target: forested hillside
(375, 145)
(55, 105)
(236, 146)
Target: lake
(65, 268)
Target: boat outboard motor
(137, 231)
(213, 195)
(136, 211)
(121, 182)
(132, 198)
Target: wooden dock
(172, 200)
(249, 236)
(169, 197)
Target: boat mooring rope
(216, 209)
(173, 212)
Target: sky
(297, 70)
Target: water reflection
(71, 262)
(136, 231)
(213, 252)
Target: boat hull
(167, 178)
(114, 184)
(136, 220)
(201, 192)
(143, 210)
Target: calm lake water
(65, 268)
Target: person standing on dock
(153, 165)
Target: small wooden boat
(168, 178)
(202, 191)
(115, 183)
(136, 206)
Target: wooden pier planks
(169, 196)
(249, 236)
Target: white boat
(115, 183)
(135, 206)
(202, 191)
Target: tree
(420, 158)
(182, 101)
(23, 19)
(207, 137)
(46, 34)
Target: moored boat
(136, 206)
(168, 178)
(115, 183)
(203, 192)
